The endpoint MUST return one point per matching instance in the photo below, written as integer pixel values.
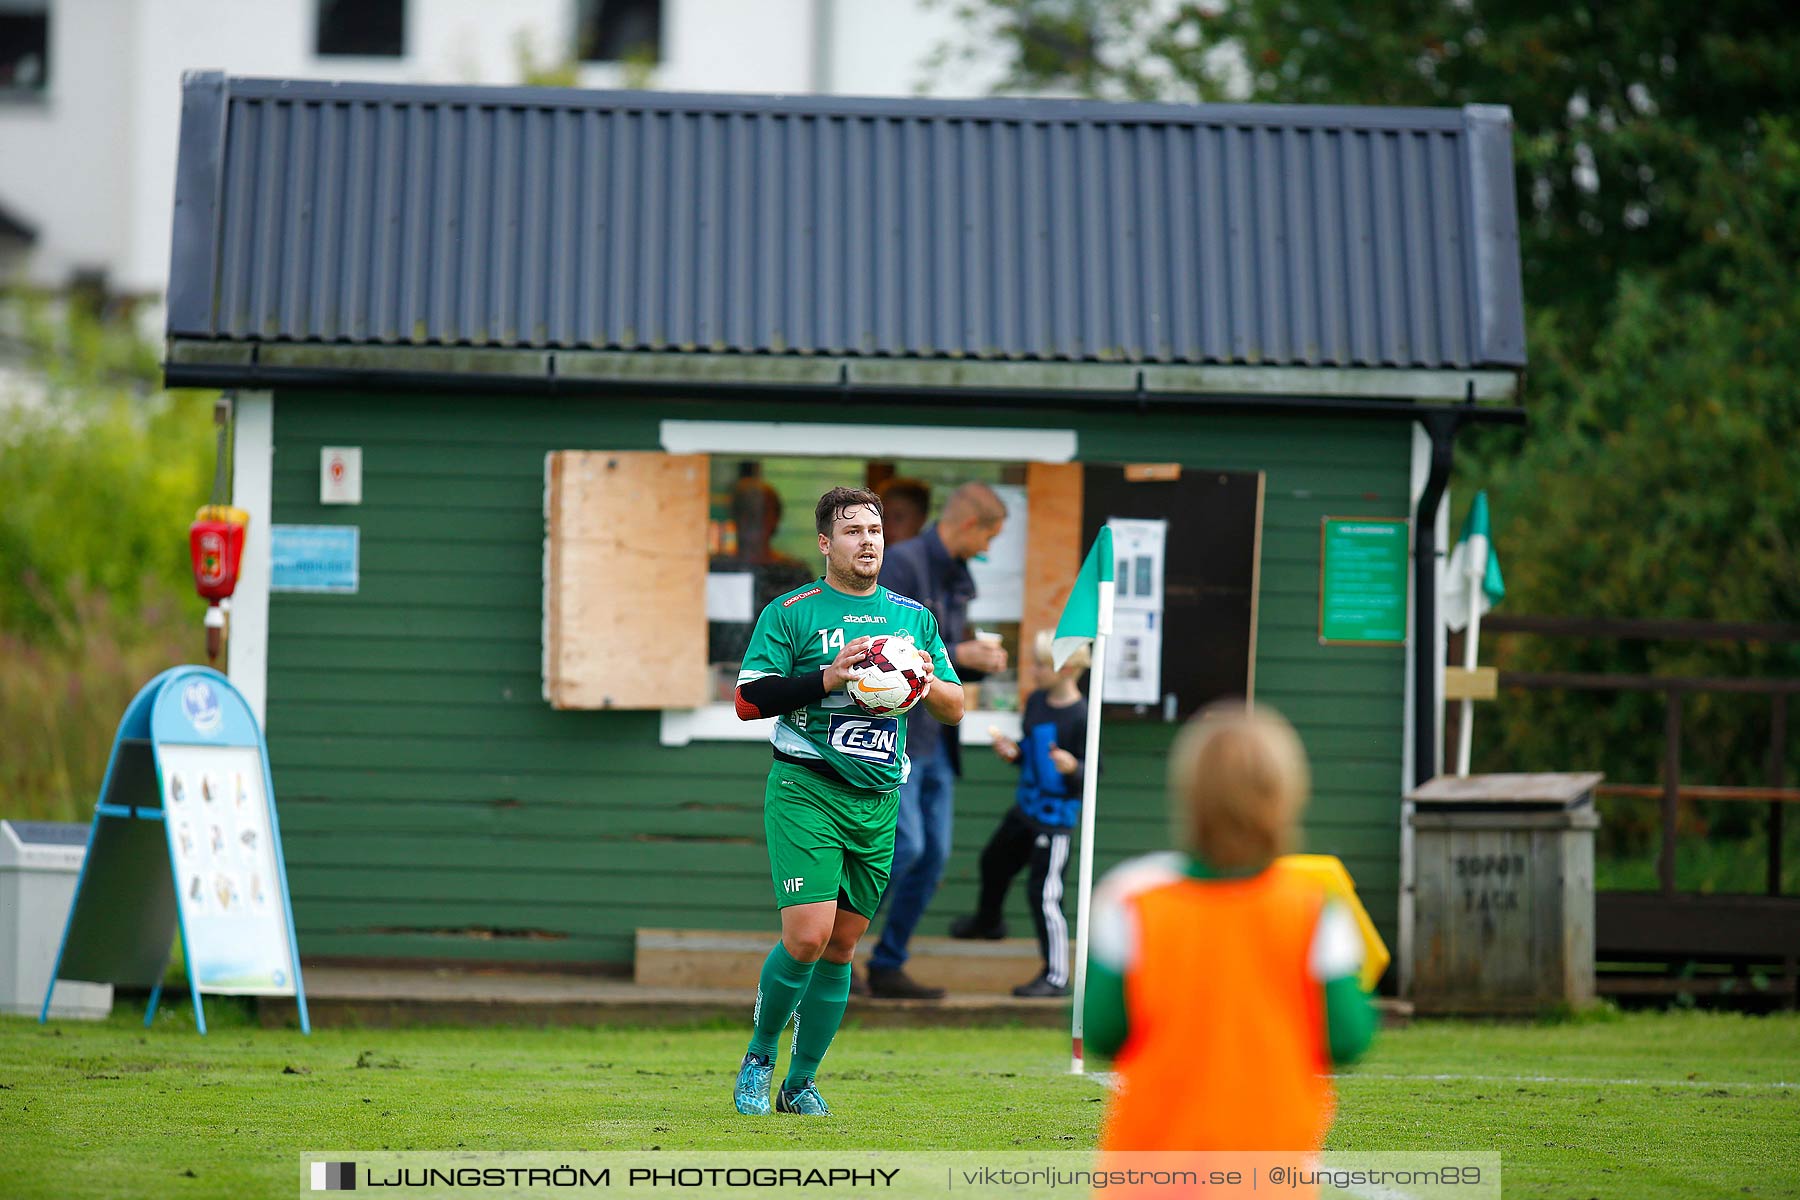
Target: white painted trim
(805, 439)
(719, 723)
(1376, 383)
(252, 466)
(1074, 379)
(1403, 957)
(1338, 383)
(710, 723)
(1407, 916)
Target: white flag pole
(1090, 777)
(1465, 728)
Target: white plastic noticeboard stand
(185, 838)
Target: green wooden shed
(500, 359)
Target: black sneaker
(966, 929)
(893, 983)
(859, 985)
(1041, 988)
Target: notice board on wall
(1362, 580)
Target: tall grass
(100, 474)
(61, 697)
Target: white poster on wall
(1000, 577)
(1139, 547)
(1134, 659)
(730, 596)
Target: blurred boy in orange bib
(1224, 985)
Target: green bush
(102, 474)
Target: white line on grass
(1574, 1081)
(1110, 1079)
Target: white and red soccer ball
(891, 677)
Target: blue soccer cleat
(752, 1094)
(804, 1100)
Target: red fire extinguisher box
(216, 543)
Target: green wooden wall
(433, 806)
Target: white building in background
(90, 89)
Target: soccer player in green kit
(832, 795)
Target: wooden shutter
(1053, 552)
(625, 579)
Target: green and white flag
(1087, 618)
(1084, 617)
(1473, 575)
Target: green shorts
(825, 838)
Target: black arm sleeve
(773, 695)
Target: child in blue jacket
(1038, 830)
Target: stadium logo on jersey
(904, 601)
(871, 739)
(864, 619)
(793, 600)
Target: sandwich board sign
(185, 841)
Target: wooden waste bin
(1503, 893)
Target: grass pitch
(1629, 1106)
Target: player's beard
(852, 574)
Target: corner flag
(1087, 617)
(1472, 578)
(1472, 585)
(1080, 624)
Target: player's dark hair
(833, 503)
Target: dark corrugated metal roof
(1040, 230)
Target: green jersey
(801, 633)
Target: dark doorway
(1209, 578)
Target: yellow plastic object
(1329, 871)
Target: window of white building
(619, 31)
(24, 45)
(361, 28)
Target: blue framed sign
(314, 558)
(185, 841)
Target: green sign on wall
(1362, 580)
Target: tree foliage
(102, 475)
(1658, 178)
(1665, 481)
(103, 471)
(1615, 106)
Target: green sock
(821, 1012)
(778, 992)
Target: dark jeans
(921, 847)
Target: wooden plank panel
(632, 853)
(1052, 555)
(370, 653)
(534, 887)
(406, 823)
(573, 950)
(409, 830)
(595, 916)
(439, 626)
(447, 631)
(625, 597)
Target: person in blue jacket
(1038, 830)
